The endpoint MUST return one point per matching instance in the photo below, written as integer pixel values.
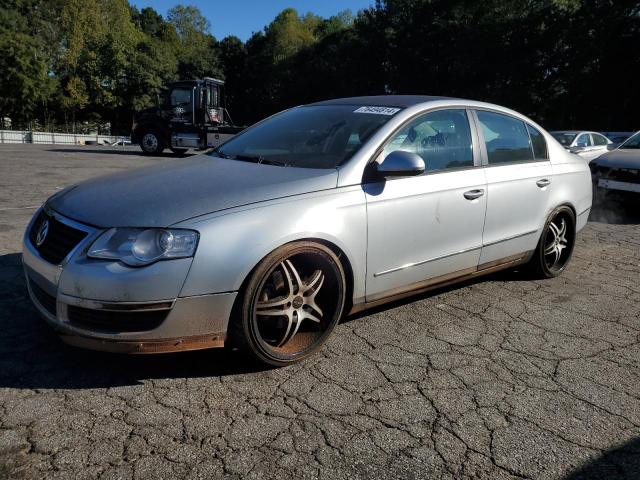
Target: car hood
(620, 158)
(167, 193)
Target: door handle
(543, 182)
(473, 194)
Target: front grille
(619, 174)
(59, 241)
(47, 301)
(114, 322)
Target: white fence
(20, 136)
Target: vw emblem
(42, 233)
(179, 110)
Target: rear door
(585, 147)
(600, 145)
(519, 180)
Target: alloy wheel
(558, 242)
(297, 304)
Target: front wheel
(556, 243)
(151, 142)
(291, 304)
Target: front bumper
(104, 305)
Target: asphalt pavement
(504, 377)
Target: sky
(243, 17)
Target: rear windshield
(321, 136)
(564, 138)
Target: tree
(566, 63)
(25, 83)
(197, 53)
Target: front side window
(315, 136)
(505, 137)
(441, 138)
(538, 143)
(180, 97)
(584, 140)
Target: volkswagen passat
(317, 211)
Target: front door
(426, 228)
(179, 107)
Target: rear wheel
(291, 304)
(556, 243)
(151, 142)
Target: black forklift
(190, 114)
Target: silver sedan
(318, 211)
(588, 145)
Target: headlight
(137, 247)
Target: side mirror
(401, 164)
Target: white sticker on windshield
(377, 110)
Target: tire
(179, 151)
(555, 247)
(290, 304)
(151, 142)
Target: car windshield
(564, 138)
(318, 136)
(632, 143)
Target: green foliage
(25, 84)
(567, 63)
(197, 48)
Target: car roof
(575, 132)
(402, 101)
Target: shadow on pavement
(618, 463)
(614, 207)
(33, 357)
(117, 151)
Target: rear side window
(538, 143)
(506, 138)
(598, 139)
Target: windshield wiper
(260, 159)
(270, 161)
(220, 153)
(248, 158)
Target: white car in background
(589, 145)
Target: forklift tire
(151, 142)
(179, 151)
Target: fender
(233, 242)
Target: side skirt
(442, 281)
